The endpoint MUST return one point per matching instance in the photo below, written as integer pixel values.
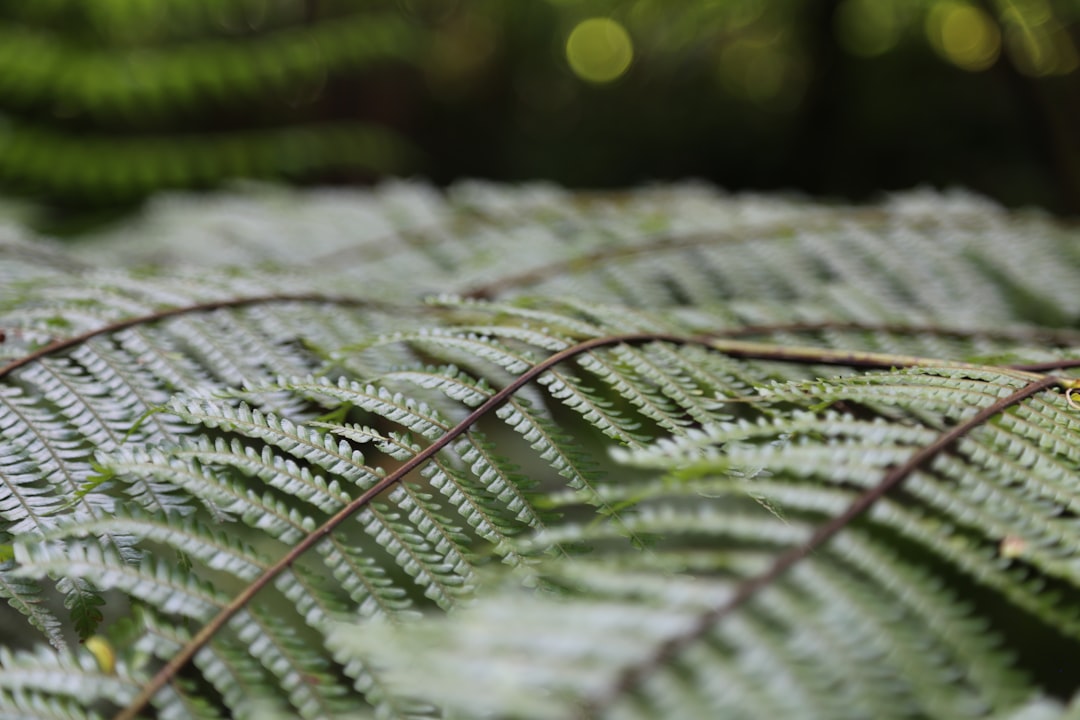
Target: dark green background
(102, 103)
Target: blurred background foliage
(104, 101)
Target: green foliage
(514, 452)
(105, 101)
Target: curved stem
(150, 318)
(188, 651)
(734, 348)
(749, 588)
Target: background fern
(107, 101)
(104, 101)
(173, 429)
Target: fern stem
(186, 653)
(744, 592)
(826, 356)
(150, 318)
(1061, 364)
(657, 244)
(734, 348)
(661, 244)
(1062, 338)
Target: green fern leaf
(666, 454)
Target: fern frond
(155, 581)
(764, 663)
(223, 497)
(367, 583)
(185, 535)
(106, 82)
(492, 474)
(25, 597)
(300, 670)
(369, 502)
(663, 654)
(24, 705)
(127, 75)
(282, 473)
(74, 677)
(416, 556)
(335, 457)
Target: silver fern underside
(191, 400)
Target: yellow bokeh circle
(964, 35)
(599, 50)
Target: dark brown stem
(660, 244)
(1063, 338)
(186, 653)
(745, 591)
(551, 270)
(74, 341)
(1063, 364)
(735, 348)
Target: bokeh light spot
(964, 35)
(1028, 13)
(867, 27)
(599, 50)
(1040, 50)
